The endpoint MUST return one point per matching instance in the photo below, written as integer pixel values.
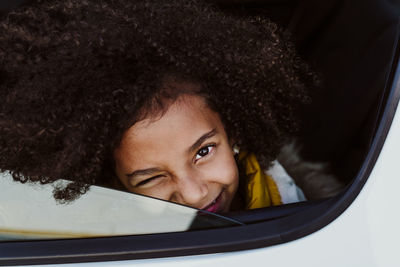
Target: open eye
(204, 151)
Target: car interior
(352, 45)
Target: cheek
(224, 169)
(163, 191)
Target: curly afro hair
(74, 75)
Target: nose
(191, 189)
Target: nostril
(192, 191)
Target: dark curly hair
(74, 75)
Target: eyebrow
(202, 139)
(196, 144)
(143, 172)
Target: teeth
(212, 203)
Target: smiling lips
(215, 206)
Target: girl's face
(184, 157)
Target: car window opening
(95, 115)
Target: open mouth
(214, 206)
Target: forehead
(185, 120)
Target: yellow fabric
(261, 190)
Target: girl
(155, 97)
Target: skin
(184, 156)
